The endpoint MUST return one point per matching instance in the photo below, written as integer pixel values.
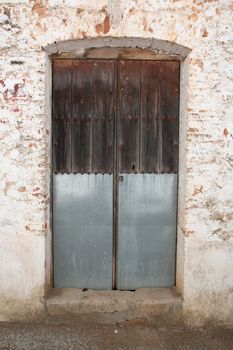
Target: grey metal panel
(147, 231)
(82, 225)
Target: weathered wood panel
(169, 113)
(128, 118)
(62, 114)
(150, 72)
(103, 106)
(85, 96)
(82, 92)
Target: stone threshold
(143, 302)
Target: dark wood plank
(167, 146)
(62, 112)
(104, 99)
(169, 104)
(169, 113)
(128, 120)
(82, 91)
(150, 72)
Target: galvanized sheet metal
(147, 231)
(82, 226)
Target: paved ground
(90, 333)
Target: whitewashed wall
(205, 252)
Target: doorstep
(143, 302)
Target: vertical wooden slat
(175, 145)
(82, 116)
(62, 112)
(150, 72)
(104, 99)
(169, 111)
(129, 116)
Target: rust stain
(27, 228)
(13, 93)
(193, 17)
(146, 28)
(7, 11)
(106, 24)
(99, 28)
(79, 10)
(16, 90)
(195, 14)
(198, 190)
(193, 130)
(205, 33)
(5, 94)
(225, 132)
(39, 9)
(103, 27)
(31, 145)
(132, 10)
(22, 189)
(198, 62)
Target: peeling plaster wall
(205, 230)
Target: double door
(115, 158)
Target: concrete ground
(92, 332)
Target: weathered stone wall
(205, 240)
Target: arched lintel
(118, 47)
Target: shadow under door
(115, 158)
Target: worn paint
(206, 156)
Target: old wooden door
(115, 158)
